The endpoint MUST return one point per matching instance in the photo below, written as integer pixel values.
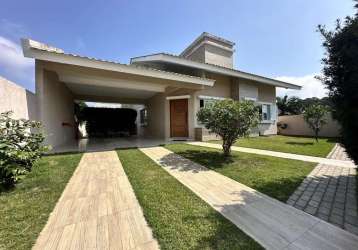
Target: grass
(275, 177)
(25, 209)
(289, 144)
(179, 219)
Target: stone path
(97, 210)
(334, 162)
(329, 192)
(273, 224)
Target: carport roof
(41, 51)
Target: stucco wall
(218, 56)
(198, 55)
(17, 99)
(56, 107)
(297, 126)
(156, 116)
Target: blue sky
(274, 38)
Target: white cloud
(13, 65)
(11, 55)
(311, 87)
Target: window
(266, 112)
(205, 102)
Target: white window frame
(272, 117)
(206, 98)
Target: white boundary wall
(17, 99)
(297, 126)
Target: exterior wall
(56, 107)
(217, 56)
(238, 89)
(268, 94)
(198, 55)
(18, 100)
(156, 116)
(221, 88)
(297, 126)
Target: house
(172, 87)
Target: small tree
(20, 146)
(314, 115)
(230, 120)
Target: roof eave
(33, 50)
(161, 57)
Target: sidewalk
(97, 210)
(326, 161)
(273, 224)
(329, 193)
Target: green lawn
(24, 210)
(273, 176)
(289, 144)
(179, 219)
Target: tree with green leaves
(230, 120)
(315, 117)
(289, 105)
(340, 75)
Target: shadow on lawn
(197, 161)
(214, 159)
(299, 143)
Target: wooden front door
(179, 118)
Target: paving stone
(310, 210)
(326, 204)
(336, 219)
(351, 212)
(305, 197)
(298, 206)
(350, 228)
(290, 202)
(322, 216)
(338, 211)
(324, 210)
(351, 220)
(329, 193)
(301, 203)
(313, 203)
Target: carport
(63, 78)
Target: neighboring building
(173, 88)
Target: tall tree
(282, 105)
(340, 75)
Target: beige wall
(297, 126)
(56, 106)
(17, 99)
(218, 56)
(223, 88)
(156, 116)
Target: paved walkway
(334, 162)
(329, 192)
(273, 224)
(97, 210)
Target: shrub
(314, 116)
(20, 146)
(229, 119)
(340, 75)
